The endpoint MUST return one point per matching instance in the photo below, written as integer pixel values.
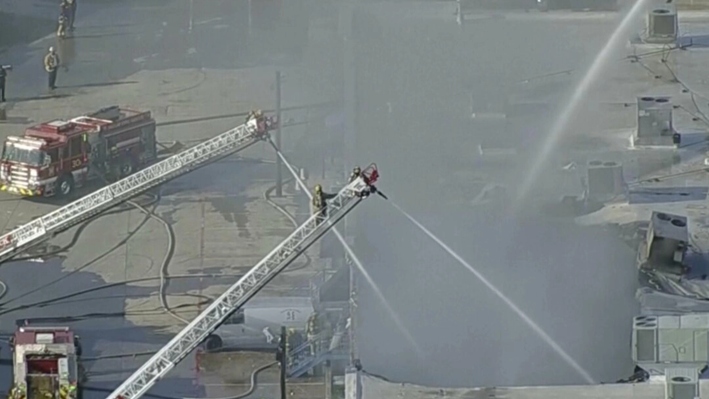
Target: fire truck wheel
(82, 374)
(126, 169)
(213, 342)
(65, 185)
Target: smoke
(418, 76)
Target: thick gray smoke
(416, 76)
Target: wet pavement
(140, 55)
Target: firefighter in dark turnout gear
(51, 63)
(71, 6)
(319, 202)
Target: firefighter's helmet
(318, 188)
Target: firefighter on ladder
(312, 330)
(356, 173)
(259, 118)
(319, 202)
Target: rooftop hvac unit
(605, 179)
(645, 330)
(662, 25)
(681, 383)
(667, 238)
(655, 124)
(660, 343)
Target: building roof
(648, 70)
(376, 388)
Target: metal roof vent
(681, 383)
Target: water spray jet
(527, 320)
(358, 264)
(561, 124)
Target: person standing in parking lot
(51, 63)
(72, 13)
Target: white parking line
(42, 39)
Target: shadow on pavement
(17, 29)
(129, 82)
(41, 97)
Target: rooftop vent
(605, 179)
(662, 25)
(681, 383)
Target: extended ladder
(43, 228)
(238, 294)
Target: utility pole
(284, 360)
(349, 143)
(191, 16)
(279, 170)
(249, 13)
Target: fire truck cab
(45, 363)
(54, 158)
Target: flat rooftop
(469, 339)
(373, 387)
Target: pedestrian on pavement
(72, 13)
(51, 63)
(64, 16)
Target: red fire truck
(54, 158)
(45, 363)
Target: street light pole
(191, 15)
(249, 13)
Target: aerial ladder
(45, 227)
(247, 286)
